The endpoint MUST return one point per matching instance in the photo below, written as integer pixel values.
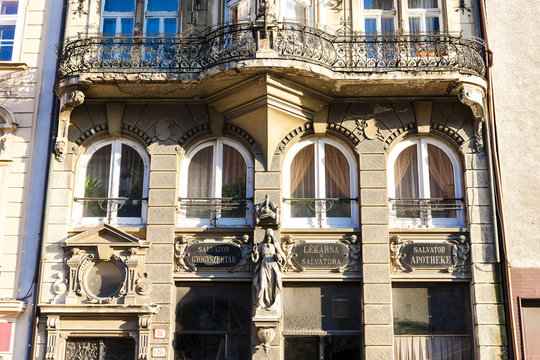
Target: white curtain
(432, 347)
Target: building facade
(271, 179)
(517, 164)
(25, 106)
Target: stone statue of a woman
(267, 282)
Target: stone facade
(151, 279)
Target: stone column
(162, 214)
(378, 328)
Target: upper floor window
(112, 184)
(379, 16)
(424, 184)
(423, 16)
(216, 185)
(118, 17)
(238, 10)
(8, 21)
(297, 11)
(161, 17)
(319, 185)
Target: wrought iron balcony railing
(193, 52)
(218, 211)
(426, 212)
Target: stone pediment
(105, 235)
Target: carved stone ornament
(103, 265)
(68, 101)
(473, 97)
(369, 128)
(266, 213)
(7, 127)
(287, 244)
(447, 256)
(53, 322)
(246, 247)
(180, 247)
(59, 286)
(355, 249)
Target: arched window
(424, 185)
(216, 185)
(112, 184)
(319, 185)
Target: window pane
(303, 181)
(406, 174)
(109, 26)
(119, 5)
(7, 34)
(162, 5)
(411, 311)
(371, 26)
(450, 311)
(200, 175)
(9, 8)
(379, 4)
(97, 182)
(302, 348)
(342, 347)
(423, 4)
(414, 24)
(531, 327)
(337, 181)
(127, 26)
(131, 182)
(441, 180)
(169, 26)
(152, 26)
(387, 25)
(233, 180)
(295, 11)
(432, 24)
(213, 320)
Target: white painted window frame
(118, 15)
(378, 15)
(217, 164)
(422, 14)
(231, 4)
(307, 4)
(320, 186)
(421, 144)
(161, 15)
(114, 182)
(16, 20)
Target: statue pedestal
(266, 321)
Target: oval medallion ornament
(321, 255)
(104, 279)
(212, 255)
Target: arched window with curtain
(319, 185)
(424, 184)
(112, 183)
(216, 186)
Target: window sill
(8, 65)
(124, 228)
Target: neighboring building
(283, 180)
(516, 105)
(27, 68)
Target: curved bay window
(319, 185)
(424, 185)
(112, 184)
(216, 185)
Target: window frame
(421, 144)
(378, 15)
(161, 15)
(312, 222)
(235, 4)
(308, 11)
(217, 162)
(114, 184)
(422, 14)
(16, 21)
(118, 16)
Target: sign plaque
(321, 255)
(213, 255)
(427, 255)
(160, 333)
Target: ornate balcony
(192, 53)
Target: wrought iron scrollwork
(192, 52)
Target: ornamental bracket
(68, 101)
(473, 97)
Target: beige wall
(513, 38)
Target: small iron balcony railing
(219, 211)
(426, 212)
(105, 207)
(193, 52)
(320, 208)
